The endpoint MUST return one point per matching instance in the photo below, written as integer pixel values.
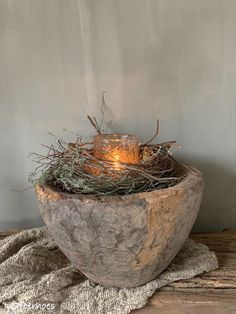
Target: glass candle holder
(117, 147)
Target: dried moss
(68, 167)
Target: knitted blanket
(35, 277)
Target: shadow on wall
(219, 198)
(22, 224)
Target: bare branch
(94, 125)
(103, 109)
(154, 136)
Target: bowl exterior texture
(122, 241)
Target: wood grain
(213, 292)
(4, 234)
(122, 240)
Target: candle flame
(117, 165)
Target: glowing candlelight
(119, 148)
(116, 164)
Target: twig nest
(74, 168)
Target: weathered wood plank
(213, 292)
(194, 301)
(4, 234)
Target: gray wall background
(169, 59)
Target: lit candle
(119, 148)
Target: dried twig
(103, 109)
(154, 136)
(94, 124)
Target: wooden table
(210, 293)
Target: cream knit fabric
(35, 277)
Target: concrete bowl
(122, 241)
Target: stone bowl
(122, 241)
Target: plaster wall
(172, 60)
